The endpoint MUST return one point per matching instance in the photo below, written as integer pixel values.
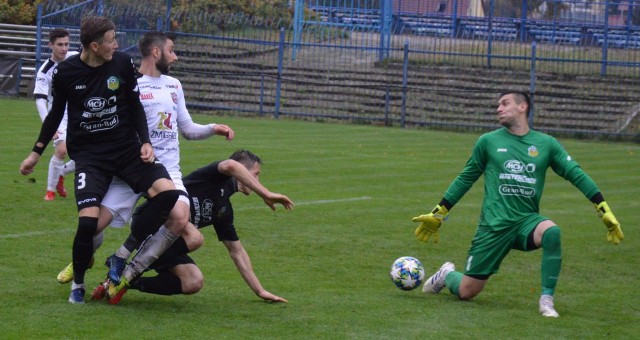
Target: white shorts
(122, 201)
(62, 132)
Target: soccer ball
(407, 273)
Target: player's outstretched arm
(235, 169)
(243, 263)
(224, 130)
(614, 233)
(430, 224)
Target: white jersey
(167, 116)
(42, 88)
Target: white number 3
(81, 180)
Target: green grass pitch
(356, 188)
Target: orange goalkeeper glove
(614, 233)
(430, 223)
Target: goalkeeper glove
(614, 233)
(430, 223)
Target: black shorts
(165, 263)
(94, 173)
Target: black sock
(83, 247)
(162, 284)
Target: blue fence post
(38, 37)
(385, 28)
(405, 69)
(276, 113)
(532, 82)
(261, 111)
(490, 37)
(167, 20)
(523, 20)
(605, 41)
(298, 19)
(386, 107)
(454, 19)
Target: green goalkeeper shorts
(489, 247)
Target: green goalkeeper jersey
(514, 169)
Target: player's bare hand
(274, 198)
(26, 167)
(224, 130)
(271, 297)
(146, 153)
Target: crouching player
(210, 189)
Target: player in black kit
(210, 189)
(107, 136)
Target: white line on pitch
(49, 232)
(38, 233)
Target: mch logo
(514, 166)
(95, 104)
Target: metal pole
(532, 82)
(405, 68)
(605, 42)
(279, 80)
(38, 37)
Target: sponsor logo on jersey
(81, 87)
(172, 86)
(533, 151)
(207, 210)
(502, 150)
(105, 124)
(516, 190)
(174, 97)
(518, 178)
(95, 104)
(146, 96)
(165, 121)
(113, 83)
(196, 210)
(514, 166)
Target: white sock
(68, 168)
(54, 172)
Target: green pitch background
(356, 188)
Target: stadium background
(432, 63)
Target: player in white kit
(167, 117)
(59, 45)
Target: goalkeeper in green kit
(514, 161)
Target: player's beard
(163, 65)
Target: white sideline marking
(38, 233)
(352, 199)
(69, 231)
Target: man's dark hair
(57, 33)
(93, 29)
(519, 97)
(151, 39)
(246, 157)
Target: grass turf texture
(356, 188)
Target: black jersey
(104, 109)
(210, 192)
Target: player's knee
(165, 201)
(551, 238)
(179, 216)
(193, 282)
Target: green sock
(551, 260)
(452, 280)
